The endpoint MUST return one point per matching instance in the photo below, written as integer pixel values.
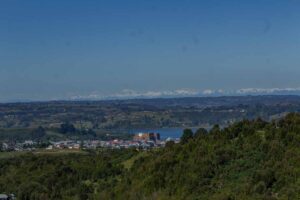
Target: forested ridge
(247, 160)
(143, 113)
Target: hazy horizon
(73, 50)
(81, 99)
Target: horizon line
(24, 101)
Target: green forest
(250, 159)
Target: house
(50, 147)
(147, 137)
(76, 146)
(5, 146)
(28, 142)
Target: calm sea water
(164, 132)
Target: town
(141, 141)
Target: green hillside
(248, 160)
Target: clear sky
(62, 49)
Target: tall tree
(186, 136)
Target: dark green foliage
(73, 176)
(201, 132)
(67, 128)
(170, 144)
(186, 136)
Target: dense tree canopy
(247, 160)
(186, 136)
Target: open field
(41, 152)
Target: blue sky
(63, 49)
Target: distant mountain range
(153, 94)
(186, 92)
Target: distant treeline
(146, 113)
(65, 131)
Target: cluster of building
(27, 145)
(139, 141)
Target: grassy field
(59, 151)
(40, 152)
(11, 154)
